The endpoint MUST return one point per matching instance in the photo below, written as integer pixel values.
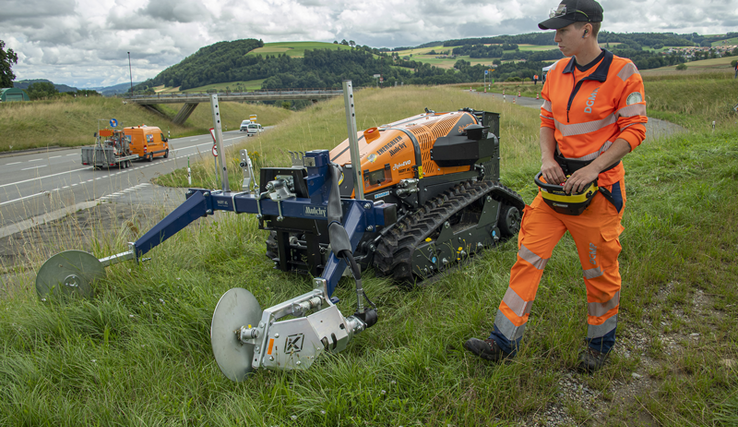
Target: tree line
(653, 40)
(47, 90)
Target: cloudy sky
(85, 43)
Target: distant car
(244, 125)
(253, 129)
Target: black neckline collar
(591, 64)
(600, 74)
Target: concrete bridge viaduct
(191, 100)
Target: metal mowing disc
(237, 307)
(69, 273)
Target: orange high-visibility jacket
(595, 107)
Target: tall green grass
(694, 101)
(138, 353)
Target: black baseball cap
(571, 11)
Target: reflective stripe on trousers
(595, 233)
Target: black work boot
(487, 349)
(591, 360)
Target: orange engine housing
(402, 150)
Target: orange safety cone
(518, 94)
(537, 95)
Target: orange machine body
(403, 149)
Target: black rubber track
(394, 253)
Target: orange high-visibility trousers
(596, 234)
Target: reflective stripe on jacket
(589, 110)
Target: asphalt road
(40, 186)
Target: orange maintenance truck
(147, 141)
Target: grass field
(138, 353)
(237, 86)
(294, 49)
(733, 41)
(719, 65)
(422, 55)
(72, 122)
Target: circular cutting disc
(236, 308)
(68, 273)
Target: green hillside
(731, 41)
(226, 63)
(72, 122)
(294, 49)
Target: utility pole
(130, 71)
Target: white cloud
(86, 42)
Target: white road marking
(42, 177)
(23, 198)
(87, 168)
(34, 167)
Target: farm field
(294, 49)
(733, 41)
(237, 86)
(714, 65)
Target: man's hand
(580, 179)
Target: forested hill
(210, 64)
(320, 68)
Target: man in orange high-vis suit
(593, 114)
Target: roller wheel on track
(395, 250)
(509, 223)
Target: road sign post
(217, 133)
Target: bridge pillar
(184, 113)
